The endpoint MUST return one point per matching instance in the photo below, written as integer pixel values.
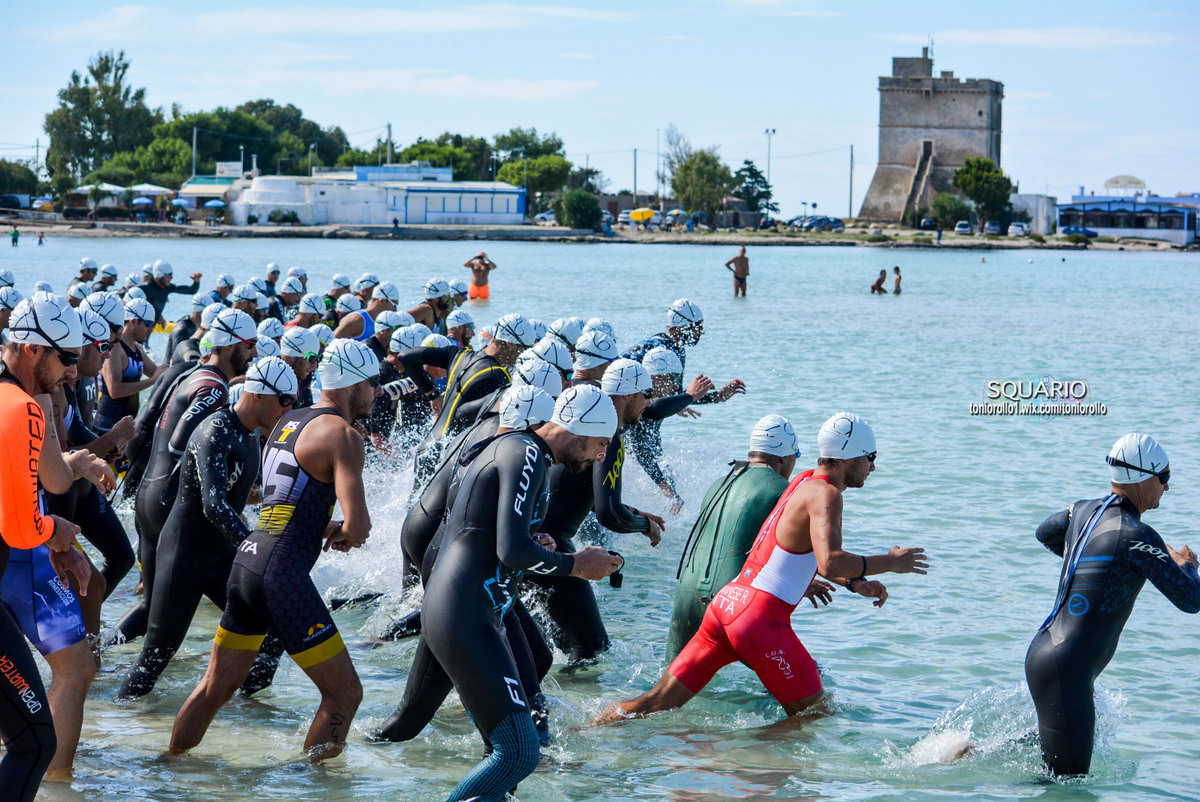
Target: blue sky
(1092, 89)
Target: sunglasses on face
(312, 358)
(871, 457)
(103, 346)
(1162, 476)
(65, 357)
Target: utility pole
(37, 156)
(242, 159)
(850, 204)
(658, 171)
(389, 161)
(770, 132)
(635, 204)
(311, 147)
(193, 151)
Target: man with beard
(437, 305)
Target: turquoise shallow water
(943, 658)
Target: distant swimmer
(896, 270)
(1108, 556)
(877, 287)
(740, 267)
(480, 266)
(749, 620)
(685, 327)
(313, 460)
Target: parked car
(992, 227)
(606, 216)
(623, 219)
(928, 224)
(545, 218)
(835, 225)
(816, 223)
(1069, 230)
(1018, 229)
(964, 228)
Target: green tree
(984, 183)
(17, 178)
(456, 158)
(949, 208)
(221, 131)
(543, 174)
(676, 149)
(477, 148)
(523, 143)
(99, 115)
(752, 187)
(578, 208)
(95, 195)
(330, 141)
(588, 178)
(701, 181)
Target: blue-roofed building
(1128, 209)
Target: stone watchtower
(928, 127)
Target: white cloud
(575, 55)
(1061, 37)
(812, 14)
(118, 23)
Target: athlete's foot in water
(541, 720)
(59, 776)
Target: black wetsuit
(383, 414)
(1099, 583)
(203, 392)
(186, 350)
(157, 296)
(184, 328)
(570, 600)
(199, 540)
(487, 545)
(270, 585)
(637, 352)
(471, 377)
(109, 410)
(645, 437)
(138, 449)
(304, 394)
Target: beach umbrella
(640, 215)
(141, 202)
(181, 202)
(214, 204)
(676, 212)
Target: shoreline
(853, 237)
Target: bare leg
(72, 670)
(667, 694)
(227, 668)
(341, 694)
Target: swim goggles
(1162, 476)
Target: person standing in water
(1108, 556)
(877, 287)
(896, 270)
(480, 266)
(740, 267)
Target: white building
(408, 194)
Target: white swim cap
(261, 300)
(270, 375)
(224, 280)
(105, 304)
(270, 327)
(135, 293)
(312, 304)
(348, 303)
(539, 329)
(243, 292)
(210, 314)
(774, 435)
(109, 271)
(540, 374)
(554, 352)
(140, 309)
(272, 267)
(9, 298)
(200, 300)
(486, 335)
(625, 377)
(79, 291)
(265, 346)
(404, 317)
(437, 341)
(845, 436)
(594, 348)
(514, 329)
(292, 286)
(162, 268)
(684, 313)
(43, 286)
(458, 286)
(346, 363)
(206, 346)
(523, 406)
(231, 327)
(368, 279)
(299, 341)
(390, 319)
(386, 291)
(87, 263)
(131, 280)
(1140, 456)
(408, 337)
(297, 271)
(236, 391)
(662, 361)
(459, 317)
(566, 330)
(436, 288)
(600, 324)
(147, 270)
(339, 280)
(258, 283)
(95, 328)
(323, 333)
(586, 411)
(46, 319)
(6, 277)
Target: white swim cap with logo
(436, 340)
(523, 406)
(87, 263)
(140, 309)
(625, 377)
(299, 341)
(566, 330)
(407, 337)
(297, 271)
(243, 292)
(845, 436)
(271, 327)
(107, 305)
(594, 348)
(43, 286)
(79, 292)
(95, 328)
(108, 271)
(224, 280)
(539, 329)
(539, 374)
(346, 363)
(514, 328)
(662, 361)
(210, 314)
(162, 269)
(348, 303)
(231, 327)
(339, 280)
(390, 319)
(386, 291)
(1142, 456)
(46, 319)
(200, 300)
(311, 304)
(6, 278)
(135, 293)
(265, 346)
(436, 288)
(258, 283)
(684, 313)
(291, 286)
(600, 324)
(774, 435)
(9, 298)
(554, 352)
(586, 411)
(271, 376)
(459, 317)
(323, 333)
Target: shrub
(578, 209)
(878, 238)
(251, 219)
(1078, 239)
(1038, 238)
(281, 216)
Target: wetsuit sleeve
(1148, 555)
(708, 398)
(414, 361)
(208, 396)
(517, 504)
(1052, 533)
(638, 351)
(647, 448)
(190, 289)
(606, 485)
(79, 435)
(663, 408)
(210, 449)
(22, 429)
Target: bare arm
(149, 368)
(350, 327)
(348, 459)
(111, 372)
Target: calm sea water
(941, 662)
